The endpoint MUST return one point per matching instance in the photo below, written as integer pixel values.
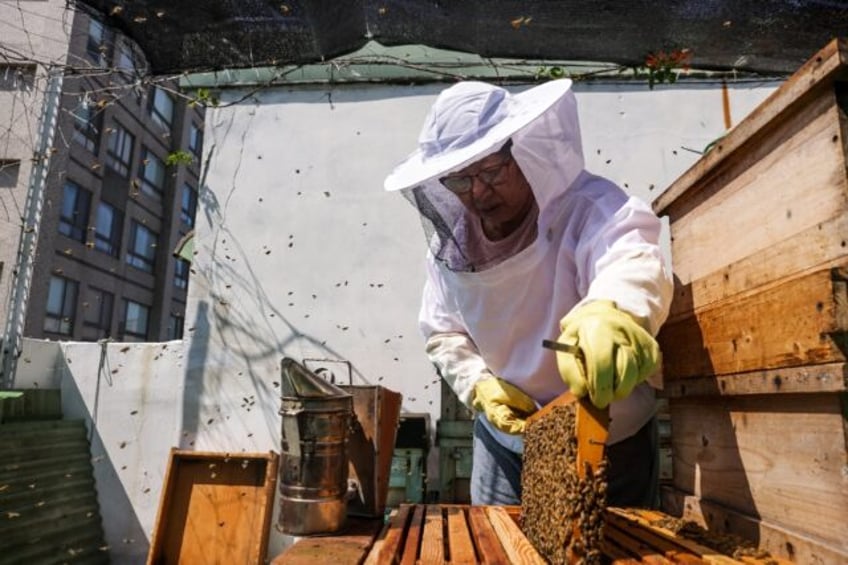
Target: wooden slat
(830, 377)
(432, 542)
(666, 542)
(819, 247)
(781, 458)
(740, 212)
(413, 536)
(389, 544)
(634, 545)
(778, 541)
(460, 546)
(489, 546)
(516, 545)
(790, 325)
(654, 517)
(816, 73)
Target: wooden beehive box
(756, 344)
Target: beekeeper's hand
(504, 404)
(614, 352)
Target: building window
(152, 173)
(87, 124)
(126, 62)
(142, 251)
(162, 108)
(136, 318)
(175, 327)
(97, 47)
(17, 77)
(188, 208)
(98, 312)
(119, 155)
(10, 170)
(181, 270)
(195, 141)
(73, 220)
(107, 229)
(61, 305)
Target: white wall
(131, 397)
(300, 253)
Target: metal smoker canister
(316, 417)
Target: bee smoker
(316, 421)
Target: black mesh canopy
(768, 36)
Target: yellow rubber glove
(505, 405)
(614, 352)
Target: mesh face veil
(453, 211)
(487, 166)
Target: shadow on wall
(128, 543)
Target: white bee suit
(591, 242)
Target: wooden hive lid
(820, 71)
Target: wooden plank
(490, 549)
(778, 541)
(388, 545)
(592, 428)
(432, 542)
(817, 73)
(413, 536)
(817, 248)
(513, 541)
(780, 457)
(349, 548)
(801, 322)
(739, 211)
(830, 377)
(460, 546)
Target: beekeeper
(526, 245)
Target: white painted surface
(300, 253)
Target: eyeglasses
(462, 184)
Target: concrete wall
(300, 253)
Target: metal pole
(12, 341)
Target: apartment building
(120, 194)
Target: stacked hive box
(756, 345)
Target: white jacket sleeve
(449, 347)
(622, 261)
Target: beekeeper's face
(494, 189)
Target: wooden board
(801, 322)
(214, 508)
(815, 249)
(430, 534)
(829, 377)
(780, 458)
(779, 186)
(347, 548)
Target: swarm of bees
(555, 502)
